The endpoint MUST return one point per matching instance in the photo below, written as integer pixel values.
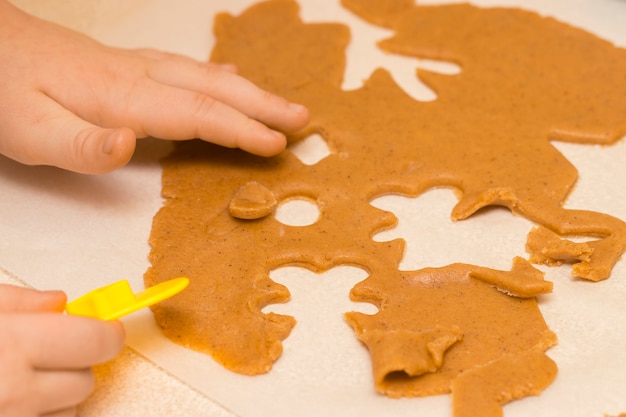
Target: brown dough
(446, 313)
(252, 201)
(525, 80)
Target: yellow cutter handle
(116, 300)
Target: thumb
(53, 135)
(14, 299)
(94, 150)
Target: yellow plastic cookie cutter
(116, 300)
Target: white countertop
(75, 232)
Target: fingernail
(57, 298)
(109, 143)
(229, 67)
(274, 143)
(277, 136)
(298, 108)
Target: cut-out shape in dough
(297, 212)
(441, 67)
(404, 71)
(490, 238)
(311, 149)
(318, 301)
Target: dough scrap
(407, 352)
(489, 324)
(487, 135)
(252, 201)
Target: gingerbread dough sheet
(437, 330)
(50, 219)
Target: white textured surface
(62, 230)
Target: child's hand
(45, 356)
(69, 101)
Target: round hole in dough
(298, 211)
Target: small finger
(172, 113)
(52, 135)
(14, 299)
(233, 90)
(59, 392)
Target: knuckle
(78, 147)
(205, 106)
